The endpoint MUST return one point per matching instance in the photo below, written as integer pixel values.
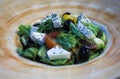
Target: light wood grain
(16, 12)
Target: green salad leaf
(20, 51)
(24, 30)
(103, 37)
(59, 62)
(75, 30)
(66, 40)
(93, 55)
(54, 62)
(30, 53)
(46, 26)
(42, 52)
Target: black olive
(68, 13)
(84, 53)
(36, 24)
(66, 25)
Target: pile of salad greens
(74, 33)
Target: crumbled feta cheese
(58, 53)
(38, 37)
(55, 19)
(33, 29)
(85, 31)
(82, 18)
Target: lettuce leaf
(66, 40)
(30, 53)
(42, 52)
(46, 26)
(24, 30)
(54, 62)
(20, 51)
(75, 30)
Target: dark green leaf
(20, 50)
(54, 62)
(75, 31)
(42, 52)
(66, 40)
(46, 26)
(24, 30)
(30, 53)
(93, 55)
(58, 62)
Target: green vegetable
(54, 62)
(25, 40)
(103, 37)
(46, 26)
(30, 53)
(42, 52)
(75, 30)
(24, 30)
(66, 40)
(93, 55)
(100, 43)
(59, 62)
(20, 51)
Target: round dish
(13, 13)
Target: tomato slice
(50, 43)
(54, 34)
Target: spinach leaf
(24, 30)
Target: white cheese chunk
(33, 29)
(57, 24)
(58, 53)
(55, 19)
(82, 18)
(85, 31)
(38, 37)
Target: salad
(61, 40)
